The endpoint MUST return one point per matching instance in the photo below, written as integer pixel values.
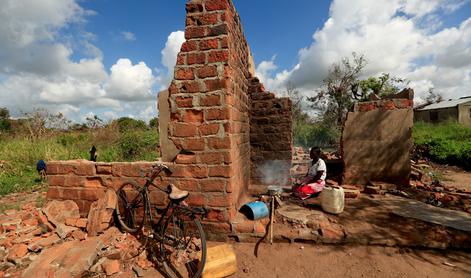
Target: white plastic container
(333, 200)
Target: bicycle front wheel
(183, 247)
(131, 207)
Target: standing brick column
(208, 101)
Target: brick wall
(376, 141)
(85, 182)
(205, 118)
(209, 106)
(270, 138)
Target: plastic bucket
(255, 210)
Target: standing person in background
(314, 181)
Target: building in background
(456, 110)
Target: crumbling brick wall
(209, 109)
(270, 138)
(376, 141)
(204, 124)
(85, 181)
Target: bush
(312, 134)
(126, 124)
(448, 143)
(141, 144)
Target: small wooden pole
(272, 214)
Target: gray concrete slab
(414, 209)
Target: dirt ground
(306, 260)
(454, 177)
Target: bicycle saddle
(177, 194)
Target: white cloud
(128, 36)
(37, 69)
(130, 82)
(171, 49)
(395, 37)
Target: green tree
(381, 86)
(154, 122)
(5, 123)
(433, 97)
(339, 90)
(126, 123)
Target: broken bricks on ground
(54, 241)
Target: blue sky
(111, 57)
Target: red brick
(181, 60)
(190, 87)
(192, 32)
(194, 7)
(213, 185)
(190, 171)
(85, 169)
(216, 228)
(196, 144)
(55, 180)
(54, 193)
(208, 129)
(70, 194)
(172, 89)
(218, 30)
(244, 227)
(224, 42)
(388, 105)
(193, 116)
(219, 143)
(55, 168)
(158, 198)
(215, 56)
(184, 102)
(184, 130)
(215, 216)
(363, 107)
(216, 84)
(196, 58)
(230, 186)
(210, 100)
(184, 74)
(217, 114)
(220, 171)
(185, 159)
(93, 183)
(74, 181)
(90, 194)
(189, 46)
(103, 169)
(189, 185)
(195, 199)
(219, 201)
(259, 228)
(81, 223)
(209, 44)
(207, 71)
(213, 5)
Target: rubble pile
(54, 241)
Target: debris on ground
(54, 241)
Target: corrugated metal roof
(445, 104)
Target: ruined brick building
(224, 137)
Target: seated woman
(314, 181)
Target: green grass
(448, 143)
(19, 155)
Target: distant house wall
(437, 115)
(460, 113)
(464, 112)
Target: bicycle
(178, 239)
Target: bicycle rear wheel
(131, 207)
(183, 246)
